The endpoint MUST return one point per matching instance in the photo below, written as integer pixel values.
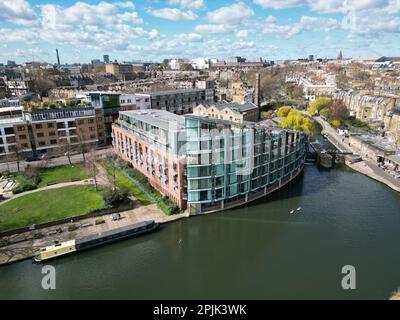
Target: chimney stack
(58, 57)
(257, 94)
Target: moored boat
(72, 246)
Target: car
(115, 217)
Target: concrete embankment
(365, 167)
(26, 245)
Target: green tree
(283, 111)
(319, 104)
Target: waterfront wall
(96, 213)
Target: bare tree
(66, 148)
(91, 165)
(83, 146)
(14, 155)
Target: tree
(319, 104)
(14, 155)
(297, 121)
(339, 110)
(66, 149)
(91, 165)
(283, 111)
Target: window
(80, 122)
(50, 125)
(60, 125)
(42, 143)
(52, 133)
(71, 124)
(8, 131)
(21, 128)
(38, 126)
(53, 141)
(22, 136)
(40, 134)
(90, 120)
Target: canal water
(261, 251)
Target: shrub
(72, 227)
(24, 184)
(114, 198)
(99, 221)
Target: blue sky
(158, 29)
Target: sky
(153, 30)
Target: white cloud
(125, 5)
(234, 14)
(306, 23)
(242, 33)
(271, 19)
(18, 12)
(280, 4)
(130, 17)
(191, 37)
(82, 14)
(173, 14)
(188, 4)
(215, 28)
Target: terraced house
(208, 164)
(367, 107)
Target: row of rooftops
(237, 107)
(162, 119)
(376, 99)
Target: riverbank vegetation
(136, 184)
(49, 205)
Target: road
(340, 142)
(367, 166)
(77, 158)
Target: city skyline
(154, 30)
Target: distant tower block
(257, 93)
(58, 57)
(106, 59)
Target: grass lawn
(124, 183)
(61, 174)
(48, 205)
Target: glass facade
(230, 163)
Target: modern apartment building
(10, 140)
(107, 106)
(208, 164)
(230, 164)
(180, 101)
(52, 129)
(47, 131)
(149, 141)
